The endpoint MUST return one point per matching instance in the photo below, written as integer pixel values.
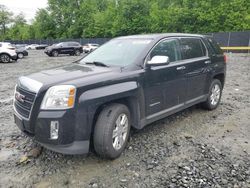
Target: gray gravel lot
(194, 148)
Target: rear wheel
(5, 58)
(55, 53)
(112, 131)
(214, 95)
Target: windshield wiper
(97, 63)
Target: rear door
(195, 54)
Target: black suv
(71, 48)
(128, 82)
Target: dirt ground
(193, 148)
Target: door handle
(181, 68)
(207, 62)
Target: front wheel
(112, 131)
(77, 52)
(55, 53)
(20, 56)
(214, 95)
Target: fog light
(54, 127)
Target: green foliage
(110, 18)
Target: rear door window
(192, 48)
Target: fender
(111, 91)
(90, 100)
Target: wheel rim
(55, 53)
(77, 53)
(20, 56)
(215, 95)
(120, 131)
(5, 58)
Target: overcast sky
(28, 7)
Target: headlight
(59, 97)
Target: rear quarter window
(215, 46)
(192, 48)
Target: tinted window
(167, 48)
(192, 48)
(75, 44)
(215, 46)
(70, 44)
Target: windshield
(59, 44)
(118, 52)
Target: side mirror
(158, 60)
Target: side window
(168, 48)
(192, 48)
(64, 44)
(70, 44)
(215, 46)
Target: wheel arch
(130, 102)
(92, 102)
(220, 77)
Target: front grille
(23, 105)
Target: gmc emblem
(19, 97)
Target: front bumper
(47, 52)
(68, 141)
(13, 57)
(77, 147)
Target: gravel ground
(193, 148)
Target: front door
(165, 86)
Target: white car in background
(90, 47)
(31, 47)
(7, 52)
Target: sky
(28, 7)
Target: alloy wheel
(120, 131)
(215, 95)
(5, 58)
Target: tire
(106, 144)
(5, 58)
(214, 95)
(20, 55)
(77, 52)
(55, 53)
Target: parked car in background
(71, 48)
(90, 47)
(41, 46)
(31, 47)
(21, 52)
(7, 52)
(128, 82)
(20, 45)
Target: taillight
(225, 58)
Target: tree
(111, 18)
(5, 19)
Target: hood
(64, 74)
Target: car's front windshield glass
(118, 52)
(59, 44)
